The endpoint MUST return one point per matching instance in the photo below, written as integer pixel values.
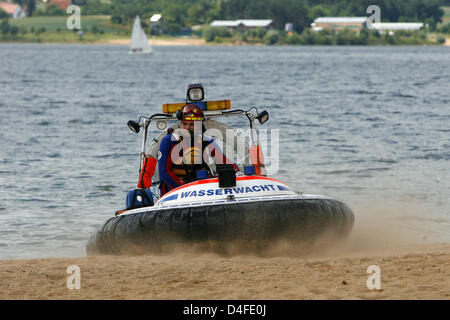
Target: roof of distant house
(255, 22)
(224, 23)
(9, 8)
(340, 20)
(63, 4)
(155, 17)
(397, 25)
(246, 22)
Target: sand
(407, 272)
(397, 240)
(189, 42)
(164, 42)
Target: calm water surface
(368, 125)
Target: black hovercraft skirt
(299, 220)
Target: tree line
(324, 37)
(179, 14)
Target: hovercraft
(221, 206)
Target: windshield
(233, 143)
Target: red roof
(63, 4)
(9, 8)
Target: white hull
(248, 189)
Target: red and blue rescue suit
(173, 174)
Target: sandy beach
(411, 267)
(191, 42)
(412, 273)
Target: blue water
(367, 125)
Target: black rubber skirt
(299, 220)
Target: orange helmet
(190, 112)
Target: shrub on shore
(212, 34)
(50, 10)
(272, 37)
(293, 39)
(3, 14)
(440, 39)
(8, 31)
(346, 37)
(444, 28)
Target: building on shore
(13, 9)
(289, 27)
(339, 23)
(383, 27)
(157, 25)
(243, 24)
(358, 23)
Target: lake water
(367, 125)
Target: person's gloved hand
(239, 173)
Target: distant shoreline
(163, 42)
(180, 41)
(202, 42)
(99, 29)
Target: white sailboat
(139, 42)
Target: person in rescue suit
(181, 156)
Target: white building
(357, 23)
(338, 23)
(243, 24)
(13, 9)
(397, 26)
(225, 23)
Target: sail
(139, 42)
(145, 45)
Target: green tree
(318, 11)
(3, 14)
(271, 37)
(307, 37)
(209, 34)
(175, 16)
(293, 39)
(4, 27)
(389, 39)
(13, 30)
(179, 14)
(30, 7)
(92, 7)
(294, 11)
(50, 10)
(23, 30)
(364, 36)
(444, 28)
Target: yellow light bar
(218, 105)
(172, 107)
(204, 105)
